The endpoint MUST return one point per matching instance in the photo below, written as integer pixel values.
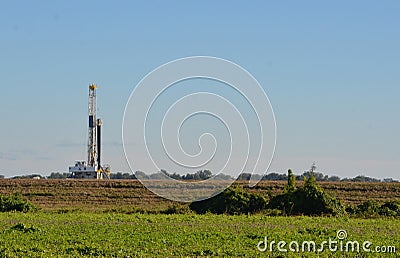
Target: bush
(391, 208)
(231, 201)
(368, 208)
(308, 200)
(372, 208)
(15, 203)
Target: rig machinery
(92, 169)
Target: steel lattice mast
(93, 168)
(92, 153)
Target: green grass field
(123, 219)
(150, 235)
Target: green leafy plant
(309, 199)
(23, 228)
(374, 209)
(15, 202)
(231, 201)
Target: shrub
(15, 202)
(372, 208)
(308, 200)
(291, 182)
(231, 201)
(393, 206)
(368, 208)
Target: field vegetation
(77, 234)
(131, 196)
(121, 218)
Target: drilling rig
(92, 169)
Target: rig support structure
(92, 169)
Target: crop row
(131, 195)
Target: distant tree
(116, 175)
(334, 179)
(389, 180)
(313, 172)
(158, 176)
(1, 176)
(32, 176)
(205, 174)
(275, 177)
(58, 175)
(364, 179)
(188, 177)
(221, 176)
(248, 176)
(244, 176)
(175, 176)
(199, 175)
(141, 175)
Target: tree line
(206, 174)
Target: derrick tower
(92, 169)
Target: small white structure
(81, 170)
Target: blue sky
(331, 71)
